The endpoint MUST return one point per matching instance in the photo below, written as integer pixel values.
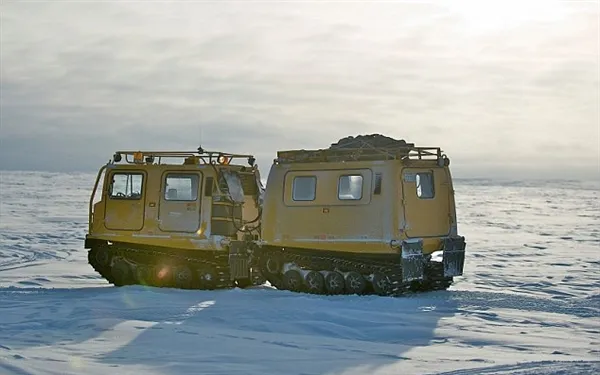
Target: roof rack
(359, 154)
(201, 155)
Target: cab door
(425, 201)
(125, 196)
(179, 205)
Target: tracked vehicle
(368, 215)
(176, 219)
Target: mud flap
(413, 264)
(239, 265)
(454, 256)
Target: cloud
(80, 80)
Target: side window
(304, 188)
(350, 187)
(126, 185)
(425, 188)
(181, 187)
(377, 190)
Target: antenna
(199, 134)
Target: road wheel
(315, 282)
(293, 280)
(183, 277)
(381, 284)
(121, 272)
(355, 283)
(334, 283)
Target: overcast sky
(511, 86)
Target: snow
(529, 302)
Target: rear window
(425, 188)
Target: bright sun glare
(492, 16)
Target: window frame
(182, 175)
(110, 187)
(362, 184)
(314, 189)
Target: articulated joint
(223, 241)
(239, 267)
(454, 256)
(260, 243)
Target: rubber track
(150, 258)
(393, 272)
(434, 279)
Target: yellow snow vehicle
(367, 215)
(173, 218)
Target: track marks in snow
(331, 333)
(535, 368)
(41, 225)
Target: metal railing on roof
(201, 155)
(359, 154)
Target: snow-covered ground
(528, 304)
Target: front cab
(177, 202)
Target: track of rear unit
(297, 271)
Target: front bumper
(89, 242)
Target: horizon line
(455, 176)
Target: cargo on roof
(361, 148)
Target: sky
(506, 88)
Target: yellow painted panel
(180, 201)
(426, 201)
(187, 242)
(125, 201)
(324, 187)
